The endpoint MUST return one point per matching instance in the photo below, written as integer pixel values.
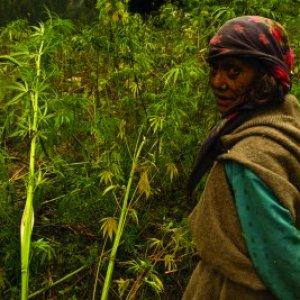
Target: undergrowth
(104, 89)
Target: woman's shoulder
(272, 126)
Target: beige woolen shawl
(269, 144)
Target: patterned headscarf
(257, 37)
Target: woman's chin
(223, 108)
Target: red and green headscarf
(257, 37)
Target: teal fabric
(272, 240)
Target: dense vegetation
(99, 125)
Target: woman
(246, 225)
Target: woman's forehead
(231, 60)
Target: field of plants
(99, 126)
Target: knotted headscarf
(258, 37)
(247, 36)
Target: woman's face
(231, 79)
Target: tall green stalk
(68, 276)
(121, 224)
(28, 213)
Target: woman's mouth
(222, 97)
(224, 103)
(222, 100)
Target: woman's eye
(233, 71)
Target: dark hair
(266, 90)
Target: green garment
(272, 239)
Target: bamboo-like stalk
(56, 282)
(28, 213)
(98, 269)
(27, 224)
(121, 225)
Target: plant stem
(27, 223)
(121, 225)
(57, 282)
(98, 269)
(28, 214)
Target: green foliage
(100, 86)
